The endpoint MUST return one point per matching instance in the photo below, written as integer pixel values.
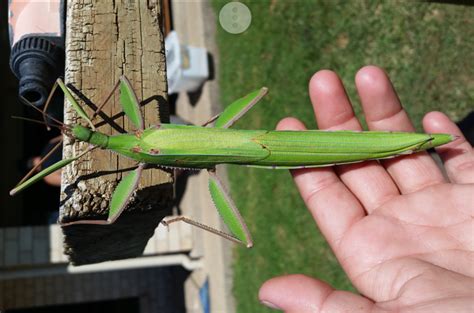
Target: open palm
(402, 231)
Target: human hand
(403, 232)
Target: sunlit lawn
(428, 51)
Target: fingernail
(270, 305)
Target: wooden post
(106, 39)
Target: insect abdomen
(319, 148)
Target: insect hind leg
(187, 220)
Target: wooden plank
(167, 24)
(106, 39)
(162, 240)
(56, 254)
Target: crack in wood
(104, 41)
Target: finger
(302, 294)
(334, 208)
(458, 156)
(383, 111)
(368, 181)
(331, 105)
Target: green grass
(428, 51)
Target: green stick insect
(201, 147)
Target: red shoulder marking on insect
(136, 149)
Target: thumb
(303, 294)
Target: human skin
(401, 230)
(53, 179)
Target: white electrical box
(187, 66)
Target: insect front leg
(25, 182)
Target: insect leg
(239, 107)
(228, 210)
(120, 198)
(56, 166)
(192, 222)
(130, 104)
(74, 103)
(56, 147)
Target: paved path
(194, 23)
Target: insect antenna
(37, 121)
(44, 114)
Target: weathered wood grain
(106, 39)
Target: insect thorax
(85, 134)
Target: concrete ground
(194, 21)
